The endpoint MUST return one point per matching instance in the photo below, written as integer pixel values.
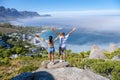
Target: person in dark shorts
(62, 43)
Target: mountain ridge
(7, 14)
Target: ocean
(101, 30)
(82, 40)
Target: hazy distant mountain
(12, 14)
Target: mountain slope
(12, 14)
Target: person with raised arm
(62, 43)
(50, 48)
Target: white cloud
(95, 20)
(87, 12)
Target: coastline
(75, 47)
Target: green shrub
(19, 50)
(74, 59)
(103, 67)
(1, 75)
(6, 60)
(117, 68)
(6, 53)
(110, 55)
(85, 54)
(115, 75)
(27, 68)
(108, 68)
(25, 58)
(1, 61)
(45, 52)
(87, 63)
(68, 51)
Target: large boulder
(116, 58)
(44, 64)
(66, 73)
(112, 47)
(59, 73)
(96, 52)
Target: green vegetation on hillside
(11, 67)
(22, 64)
(110, 55)
(108, 68)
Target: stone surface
(67, 73)
(96, 52)
(57, 64)
(116, 58)
(44, 64)
(58, 72)
(112, 47)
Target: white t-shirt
(63, 41)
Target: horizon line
(86, 12)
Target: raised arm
(73, 29)
(56, 38)
(54, 30)
(42, 39)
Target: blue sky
(71, 12)
(61, 5)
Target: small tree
(6, 53)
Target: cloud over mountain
(12, 14)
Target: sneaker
(61, 61)
(51, 63)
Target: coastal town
(16, 37)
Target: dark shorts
(62, 50)
(51, 50)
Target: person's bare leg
(61, 57)
(64, 56)
(49, 56)
(60, 54)
(52, 55)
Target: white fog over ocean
(93, 27)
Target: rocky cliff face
(59, 72)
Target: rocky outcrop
(96, 52)
(57, 64)
(59, 73)
(69, 73)
(116, 58)
(112, 47)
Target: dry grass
(12, 70)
